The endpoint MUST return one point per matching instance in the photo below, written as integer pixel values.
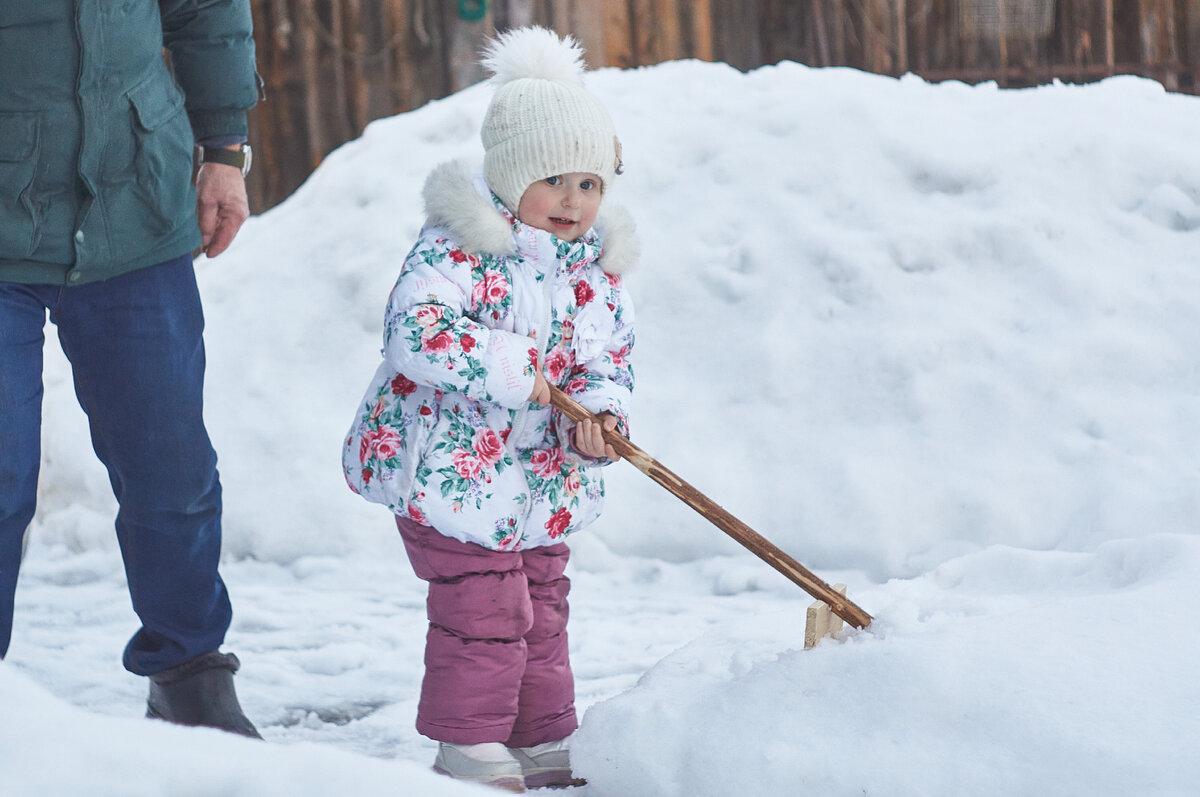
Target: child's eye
(555, 180)
(587, 185)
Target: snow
(938, 342)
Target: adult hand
(221, 206)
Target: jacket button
(74, 276)
(79, 236)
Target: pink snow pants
(496, 664)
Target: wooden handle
(750, 539)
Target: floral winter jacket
(445, 434)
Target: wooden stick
(750, 539)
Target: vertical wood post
(877, 30)
(618, 34)
(656, 30)
(520, 13)
(307, 41)
(822, 38)
(698, 26)
(359, 87)
(837, 22)
(404, 90)
(586, 24)
(466, 41)
(339, 109)
(1110, 44)
(1002, 39)
(1191, 42)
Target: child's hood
(455, 200)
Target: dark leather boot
(200, 692)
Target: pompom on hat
(541, 121)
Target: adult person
(98, 222)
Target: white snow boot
(489, 763)
(547, 764)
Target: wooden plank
(618, 25)
(1159, 39)
(820, 34)
(1190, 48)
(560, 16)
(307, 51)
(788, 36)
(1191, 32)
(587, 26)
(950, 41)
(642, 22)
(1110, 47)
(878, 23)
(1002, 38)
(837, 22)
(466, 39)
(820, 621)
(404, 89)
(668, 38)
(360, 81)
(514, 14)
(737, 40)
(698, 30)
(335, 47)
(433, 31)
(921, 24)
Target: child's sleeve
(604, 382)
(429, 338)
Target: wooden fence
(331, 66)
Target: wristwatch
(238, 158)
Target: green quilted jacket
(96, 133)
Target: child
(509, 289)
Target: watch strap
(237, 158)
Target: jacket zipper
(518, 427)
(544, 334)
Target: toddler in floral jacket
(513, 285)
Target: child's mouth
(562, 222)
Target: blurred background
(332, 66)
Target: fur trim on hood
(453, 201)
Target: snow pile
(938, 342)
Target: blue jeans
(137, 357)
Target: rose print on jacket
(488, 446)
(403, 386)
(546, 463)
(558, 362)
(557, 525)
(583, 293)
(445, 436)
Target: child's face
(565, 204)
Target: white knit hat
(541, 121)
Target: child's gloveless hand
(541, 390)
(589, 437)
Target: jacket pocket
(20, 222)
(164, 149)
